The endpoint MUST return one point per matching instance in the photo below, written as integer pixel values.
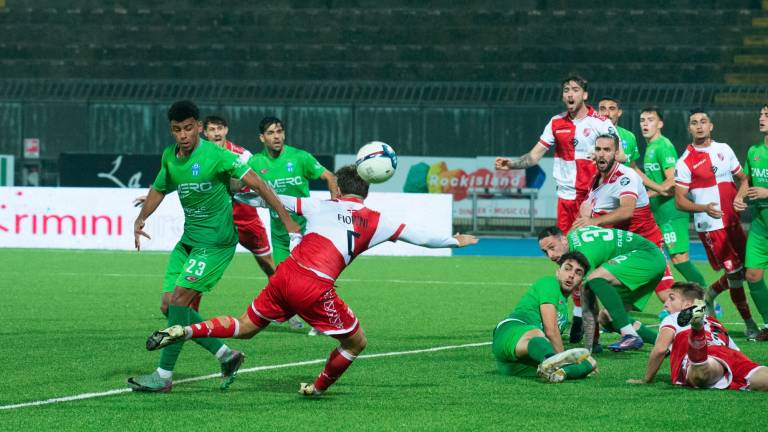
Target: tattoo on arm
(524, 161)
(589, 316)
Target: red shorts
(567, 212)
(738, 367)
(250, 230)
(294, 290)
(725, 247)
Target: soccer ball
(376, 162)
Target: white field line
(242, 371)
(341, 281)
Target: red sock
(200, 330)
(719, 285)
(739, 298)
(576, 294)
(337, 363)
(697, 345)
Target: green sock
(211, 344)
(691, 273)
(611, 300)
(176, 315)
(759, 295)
(539, 349)
(578, 370)
(610, 327)
(646, 334)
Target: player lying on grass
(337, 231)
(626, 268)
(528, 341)
(702, 354)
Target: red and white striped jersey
(241, 211)
(605, 197)
(716, 335)
(707, 173)
(339, 230)
(574, 142)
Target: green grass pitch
(75, 322)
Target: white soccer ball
(376, 162)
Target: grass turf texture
(76, 321)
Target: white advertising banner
(102, 218)
(459, 176)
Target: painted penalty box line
(83, 396)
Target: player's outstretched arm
(150, 204)
(421, 237)
(551, 330)
(257, 184)
(656, 358)
(527, 160)
(333, 188)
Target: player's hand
(503, 164)
(139, 201)
(713, 211)
(582, 222)
(138, 231)
(738, 204)
(294, 240)
(466, 239)
(757, 193)
(292, 227)
(636, 381)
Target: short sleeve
(682, 174)
(667, 157)
(312, 168)
(734, 165)
(547, 138)
(629, 186)
(547, 291)
(161, 183)
(231, 164)
(747, 169)
(634, 153)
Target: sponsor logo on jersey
(185, 189)
(195, 169)
(264, 171)
(698, 164)
(282, 183)
(289, 166)
(760, 172)
(624, 181)
(562, 131)
(652, 166)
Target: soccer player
(250, 229)
(573, 135)
(617, 199)
(199, 171)
(659, 178)
(337, 231)
(288, 170)
(704, 186)
(611, 108)
(626, 268)
(702, 354)
(756, 170)
(528, 341)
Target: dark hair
(614, 100)
(578, 79)
(350, 182)
(611, 137)
(266, 122)
(653, 109)
(550, 231)
(689, 290)
(182, 110)
(576, 256)
(698, 111)
(764, 106)
(212, 119)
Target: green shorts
(505, 339)
(196, 268)
(279, 249)
(757, 251)
(639, 272)
(675, 233)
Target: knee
(754, 275)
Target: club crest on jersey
(624, 181)
(757, 158)
(586, 132)
(289, 166)
(195, 169)
(720, 156)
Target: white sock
(164, 374)
(223, 353)
(187, 332)
(577, 311)
(628, 329)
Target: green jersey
(600, 245)
(756, 169)
(202, 181)
(544, 291)
(661, 155)
(629, 144)
(288, 174)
